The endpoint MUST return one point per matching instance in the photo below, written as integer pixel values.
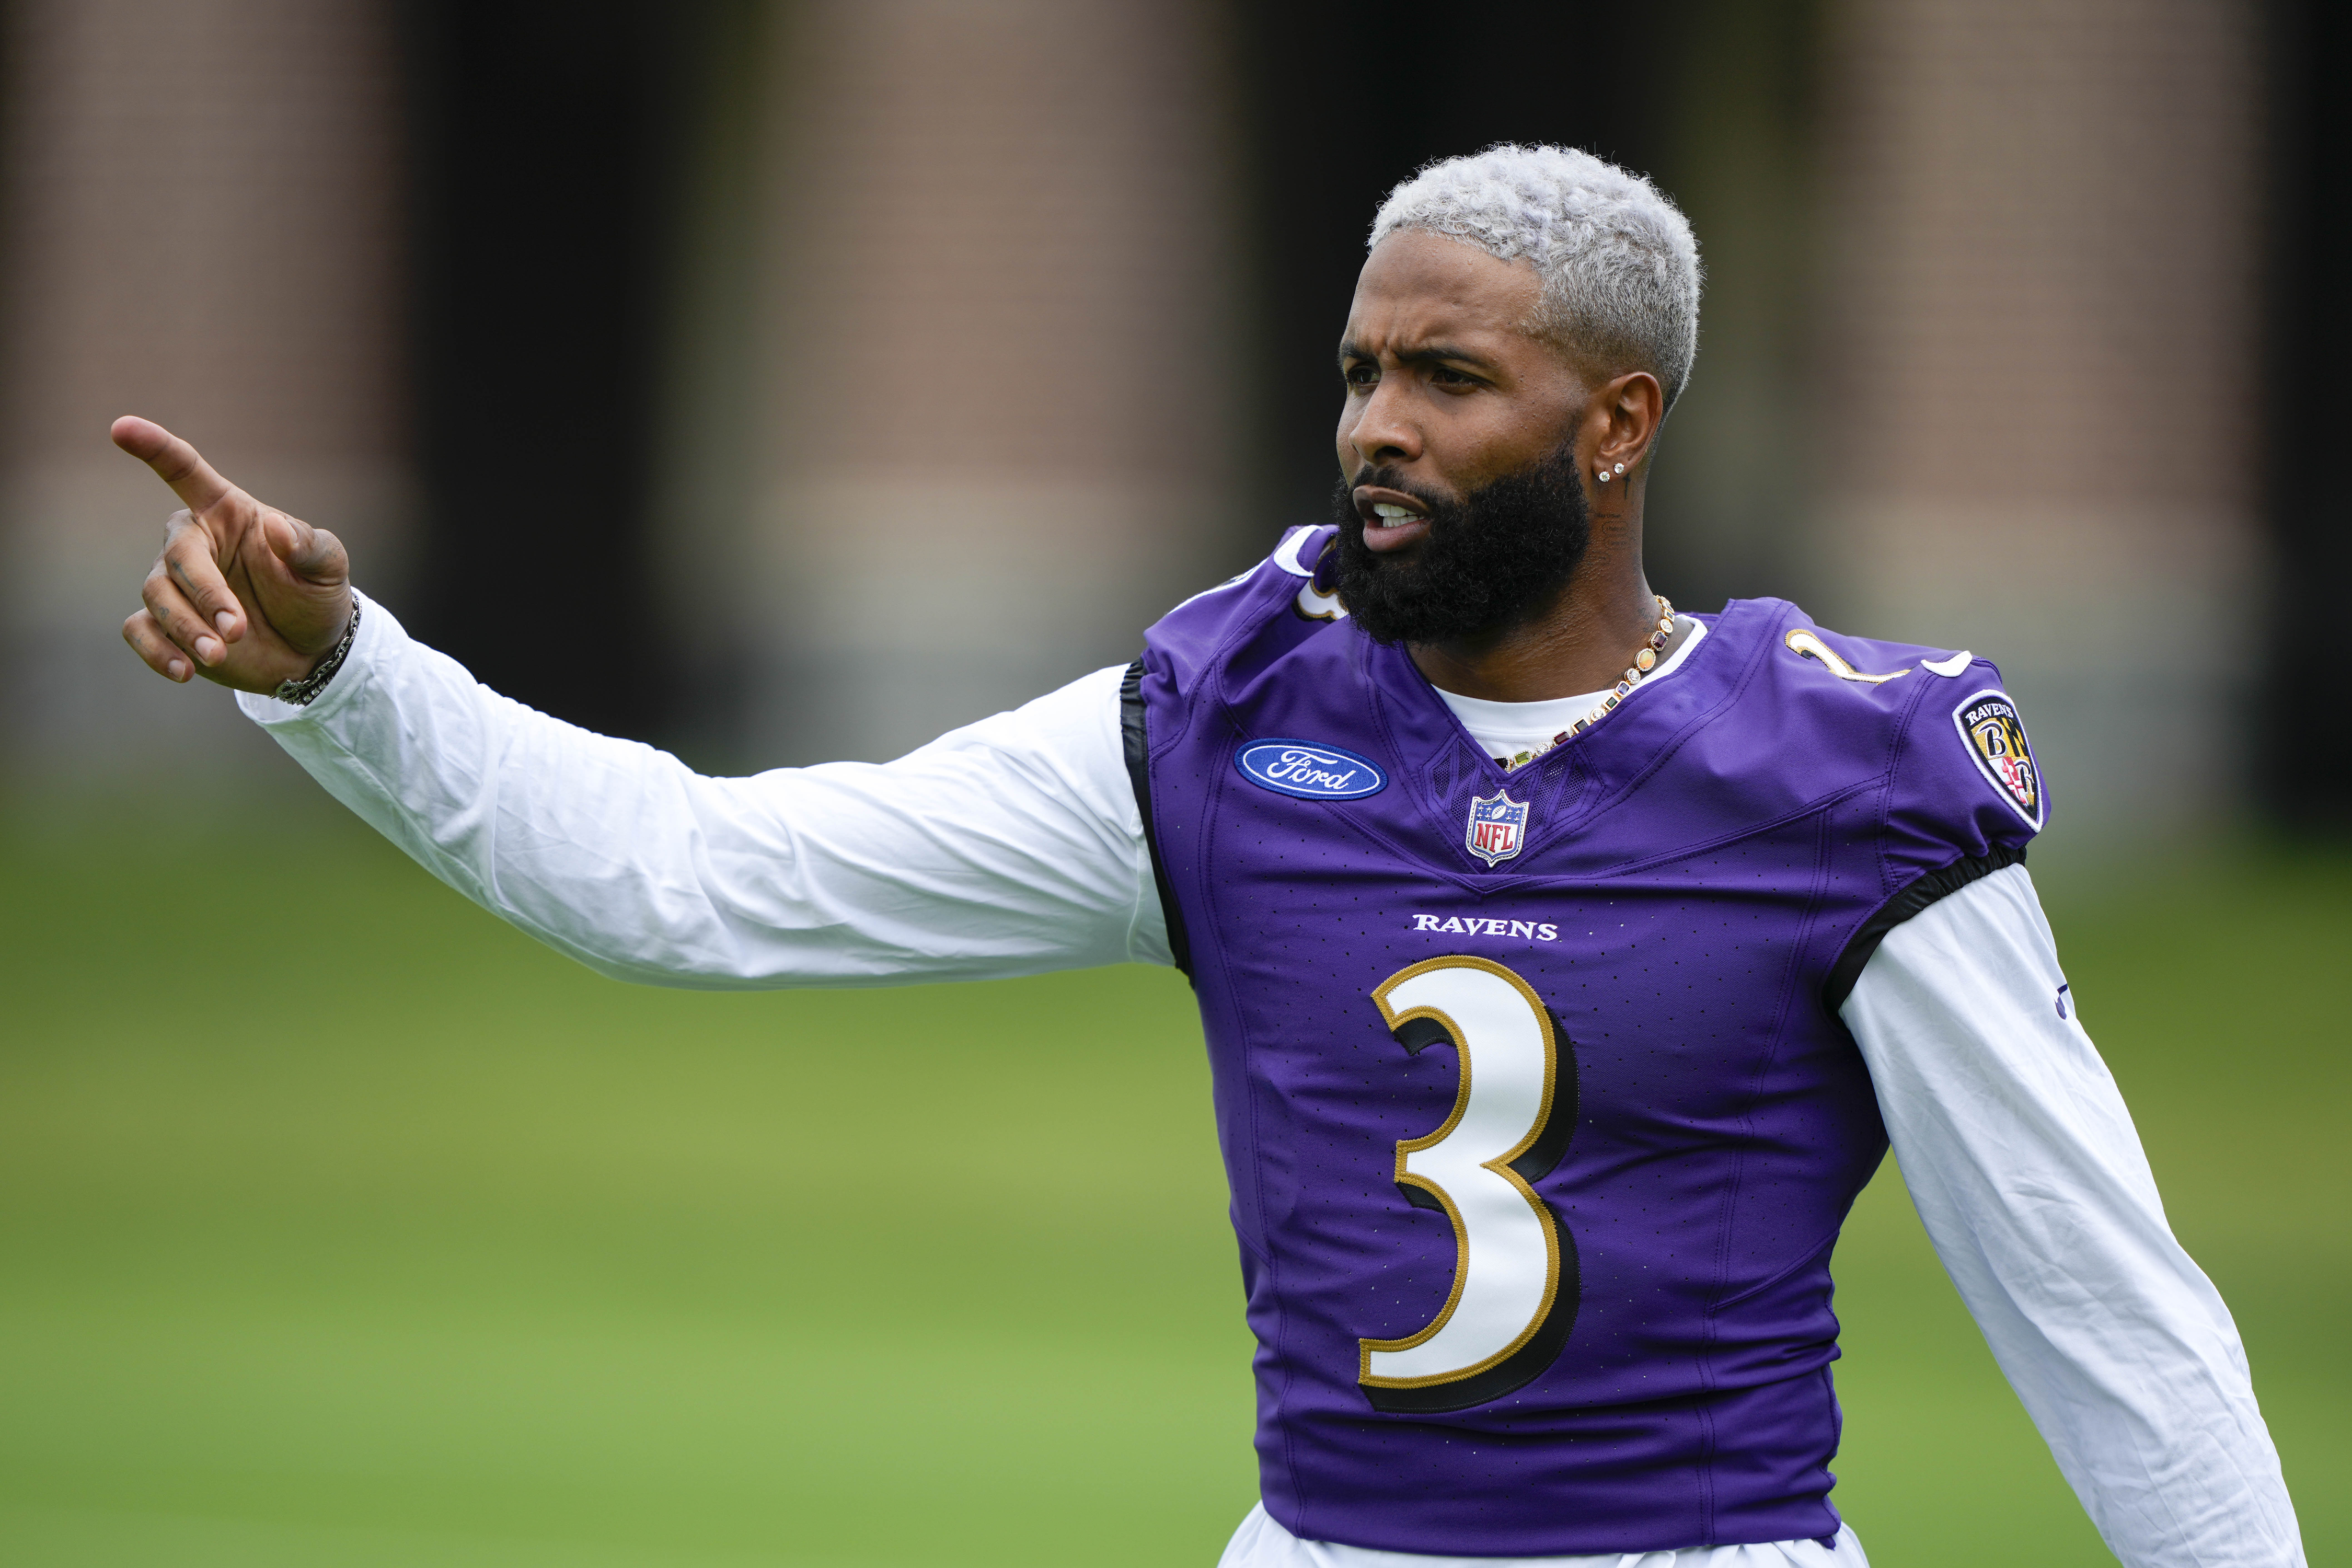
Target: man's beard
(1496, 559)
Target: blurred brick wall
(953, 399)
(991, 413)
(201, 225)
(2040, 334)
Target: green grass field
(342, 1225)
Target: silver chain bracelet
(301, 692)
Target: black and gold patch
(1995, 735)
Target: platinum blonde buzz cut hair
(1619, 264)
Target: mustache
(1390, 479)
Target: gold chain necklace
(1645, 659)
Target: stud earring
(1604, 475)
(1621, 467)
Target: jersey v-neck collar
(1500, 729)
(1439, 756)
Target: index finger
(175, 462)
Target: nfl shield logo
(1498, 827)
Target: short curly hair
(1619, 263)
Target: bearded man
(1567, 961)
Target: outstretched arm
(2031, 1180)
(1011, 847)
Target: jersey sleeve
(1964, 781)
(2031, 1181)
(1009, 846)
(1963, 795)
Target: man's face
(1462, 507)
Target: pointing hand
(242, 594)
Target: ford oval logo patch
(1308, 771)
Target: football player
(1567, 961)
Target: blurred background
(793, 380)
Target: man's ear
(1628, 409)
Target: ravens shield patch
(1995, 736)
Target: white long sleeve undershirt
(1014, 847)
(2029, 1175)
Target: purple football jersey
(1539, 1119)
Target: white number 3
(1514, 1284)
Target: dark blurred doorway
(1346, 99)
(1710, 98)
(2305, 774)
(547, 145)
